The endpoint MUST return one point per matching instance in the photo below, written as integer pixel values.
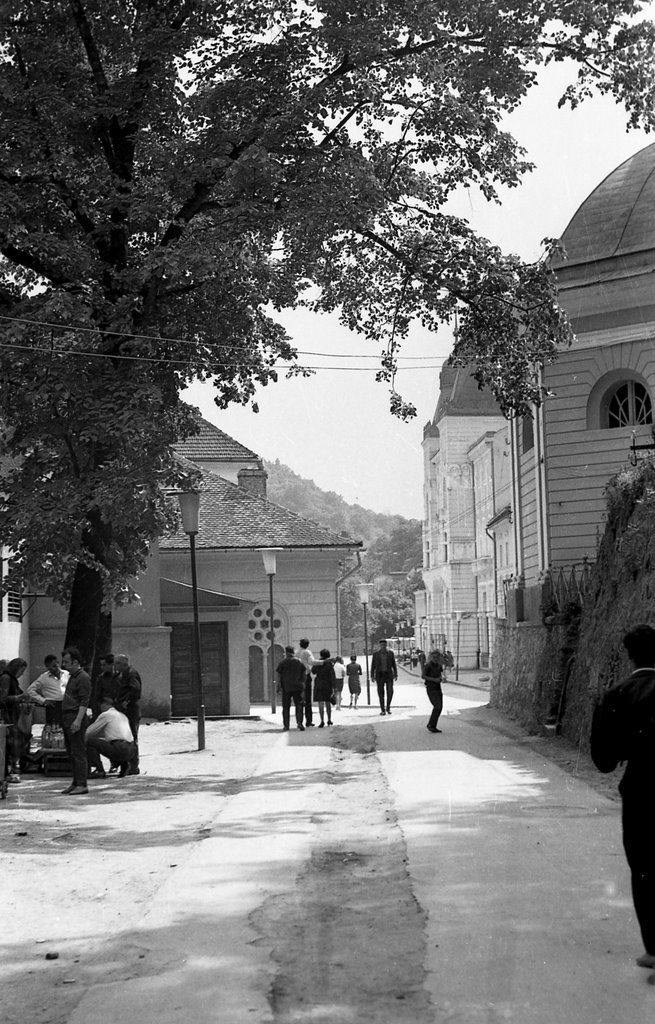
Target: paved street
(368, 872)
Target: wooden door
(215, 669)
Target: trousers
(287, 699)
(639, 846)
(435, 696)
(76, 748)
(385, 682)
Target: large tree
(173, 172)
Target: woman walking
(432, 675)
(324, 681)
(354, 671)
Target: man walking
(291, 675)
(623, 729)
(308, 661)
(77, 697)
(128, 695)
(384, 672)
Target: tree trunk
(84, 613)
(103, 641)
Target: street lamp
(190, 511)
(270, 568)
(364, 592)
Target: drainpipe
(341, 580)
(516, 488)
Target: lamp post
(270, 568)
(190, 510)
(364, 592)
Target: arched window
(620, 398)
(627, 405)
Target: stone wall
(548, 675)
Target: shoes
(97, 773)
(77, 791)
(13, 777)
(432, 728)
(321, 725)
(350, 707)
(646, 960)
(69, 790)
(114, 769)
(133, 771)
(330, 722)
(123, 771)
(388, 711)
(285, 728)
(383, 712)
(311, 723)
(302, 728)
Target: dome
(618, 217)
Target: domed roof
(618, 217)
(461, 395)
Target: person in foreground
(623, 730)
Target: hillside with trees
(331, 510)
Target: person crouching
(111, 736)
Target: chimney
(253, 479)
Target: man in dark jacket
(623, 730)
(128, 695)
(385, 673)
(291, 673)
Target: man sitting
(111, 736)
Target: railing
(569, 585)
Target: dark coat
(623, 729)
(392, 668)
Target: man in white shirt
(111, 736)
(48, 689)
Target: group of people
(303, 679)
(99, 719)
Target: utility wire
(181, 341)
(206, 367)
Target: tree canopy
(175, 172)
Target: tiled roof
(231, 517)
(619, 215)
(213, 443)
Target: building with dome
(600, 389)
(501, 531)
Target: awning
(173, 592)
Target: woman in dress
(354, 671)
(324, 680)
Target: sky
(335, 428)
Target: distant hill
(329, 509)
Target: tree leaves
(174, 173)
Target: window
(527, 433)
(619, 399)
(627, 405)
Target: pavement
(368, 872)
